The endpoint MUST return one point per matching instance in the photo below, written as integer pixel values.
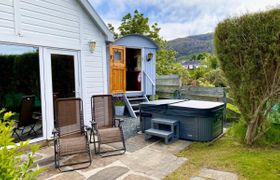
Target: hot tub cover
(175, 107)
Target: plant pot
(119, 110)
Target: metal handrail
(153, 84)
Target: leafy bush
(238, 130)
(12, 164)
(248, 48)
(233, 113)
(271, 137)
(119, 101)
(274, 115)
(208, 74)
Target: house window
(20, 89)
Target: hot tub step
(164, 121)
(167, 135)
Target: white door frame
(49, 122)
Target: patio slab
(152, 162)
(110, 173)
(143, 160)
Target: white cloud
(179, 18)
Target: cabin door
(117, 69)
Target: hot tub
(198, 120)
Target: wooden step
(136, 111)
(158, 133)
(164, 121)
(136, 98)
(134, 105)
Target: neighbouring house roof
(97, 19)
(191, 63)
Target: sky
(180, 18)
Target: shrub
(238, 130)
(233, 113)
(271, 137)
(12, 165)
(248, 48)
(119, 101)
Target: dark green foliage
(271, 137)
(249, 51)
(136, 24)
(208, 73)
(232, 113)
(274, 115)
(19, 75)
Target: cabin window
(20, 89)
(133, 69)
(117, 56)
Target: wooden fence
(170, 86)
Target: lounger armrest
(118, 122)
(87, 128)
(93, 125)
(55, 133)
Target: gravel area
(130, 126)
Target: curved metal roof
(147, 39)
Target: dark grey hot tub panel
(202, 124)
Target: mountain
(192, 45)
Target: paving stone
(147, 157)
(69, 175)
(48, 150)
(197, 178)
(45, 161)
(99, 161)
(173, 148)
(75, 159)
(152, 162)
(217, 175)
(51, 171)
(136, 177)
(138, 142)
(110, 173)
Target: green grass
(256, 163)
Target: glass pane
(63, 76)
(117, 55)
(20, 89)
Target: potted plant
(119, 105)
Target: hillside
(192, 45)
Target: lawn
(254, 163)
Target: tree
(166, 57)
(248, 48)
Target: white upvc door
(48, 81)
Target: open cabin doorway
(133, 69)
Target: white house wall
(59, 24)
(94, 64)
(7, 26)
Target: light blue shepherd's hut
(133, 69)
